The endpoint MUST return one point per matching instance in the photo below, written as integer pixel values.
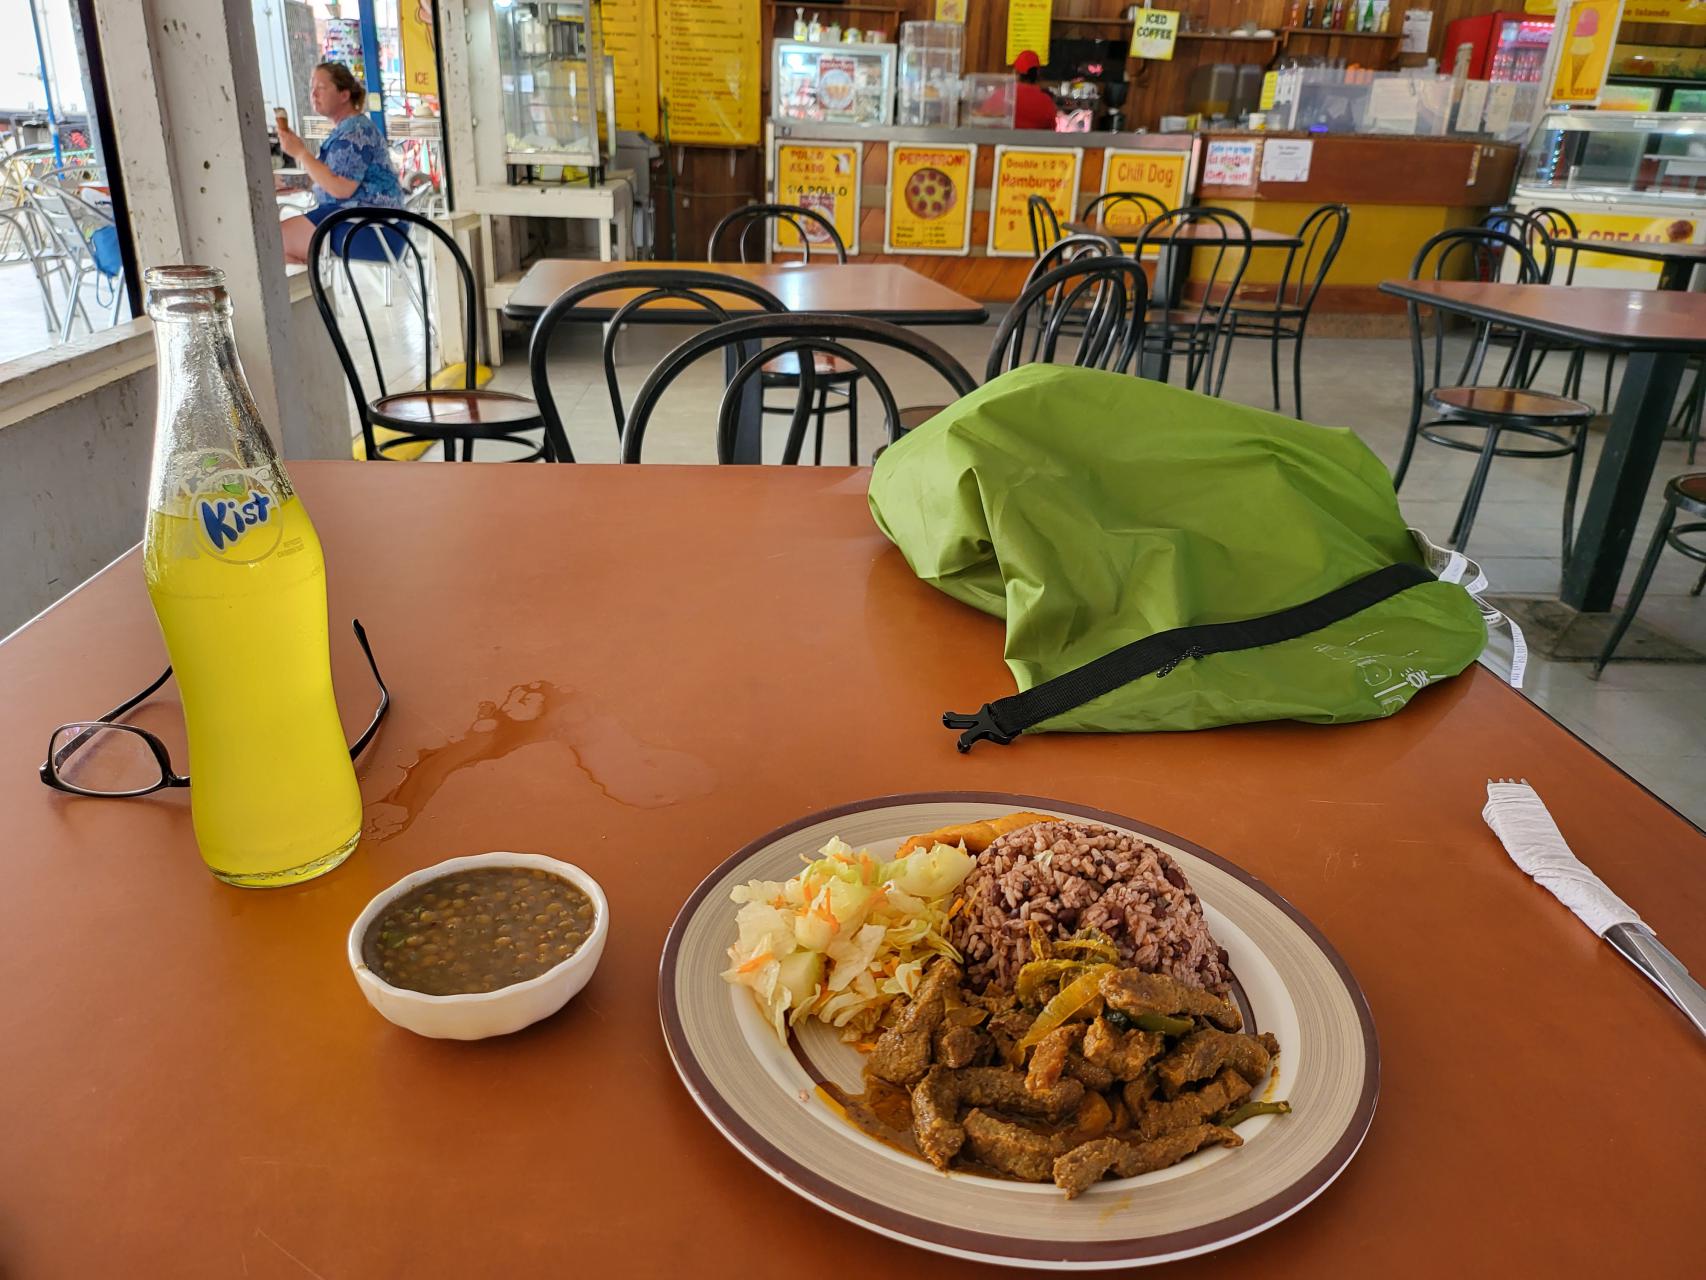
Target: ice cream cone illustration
(1582, 46)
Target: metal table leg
(749, 436)
(1620, 480)
(1156, 365)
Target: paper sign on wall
(1418, 25)
(1157, 173)
(929, 199)
(417, 35)
(1584, 51)
(1021, 173)
(1154, 33)
(1689, 12)
(629, 32)
(1287, 159)
(1028, 27)
(1501, 107)
(951, 11)
(708, 70)
(823, 177)
(1229, 162)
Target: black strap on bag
(1005, 719)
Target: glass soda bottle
(238, 582)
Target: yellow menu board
(708, 65)
(417, 35)
(629, 31)
(1585, 55)
(1027, 28)
(822, 177)
(1021, 173)
(1156, 173)
(1689, 12)
(929, 202)
(1625, 228)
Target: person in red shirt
(1032, 106)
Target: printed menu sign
(630, 38)
(1156, 173)
(1639, 228)
(708, 68)
(1584, 58)
(1028, 28)
(1229, 163)
(1153, 34)
(822, 177)
(1051, 173)
(929, 201)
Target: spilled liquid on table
(623, 767)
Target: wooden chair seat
(1496, 406)
(823, 365)
(455, 411)
(918, 415)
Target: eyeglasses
(105, 759)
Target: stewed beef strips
(902, 1053)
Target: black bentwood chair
(463, 415)
(790, 334)
(1476, 417)
(685, 286)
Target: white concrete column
(192, 143)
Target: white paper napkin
(1520, 820)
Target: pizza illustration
(930, 194)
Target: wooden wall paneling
(708, 182)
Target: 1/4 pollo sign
(825, 179)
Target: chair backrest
(1519, 226)
(1142, 206)
(371, 221)
(812, 228)
(1045, 227)
(1220, 241)
(1323, 234)
(684, 285)
(1556, 225)
(1109, 294)
(1455, 254)
(807, 335)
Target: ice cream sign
(1583, 37)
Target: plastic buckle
(977, 727)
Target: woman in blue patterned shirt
(352, 167)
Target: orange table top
(195, 1085)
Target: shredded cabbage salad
(846, 936)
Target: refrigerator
(1502, 46)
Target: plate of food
(1018, 1031)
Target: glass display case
(1617, 157)
(833, 83)
(930, 54)
(553, 79)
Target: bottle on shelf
(1367, 23)
(801, 30)
(1308, 14)
(1335, 15)
(1294, 13)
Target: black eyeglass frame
(50, 767)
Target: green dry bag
(1166, 560)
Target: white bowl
(478, 1014)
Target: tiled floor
(1649, 717)
(23, 323)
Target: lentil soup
(479, 930)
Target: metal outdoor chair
(684, 285)
(73, 224)
(462, 415)
(788, 334)
(1190, 331)
(812, 229)
(1476, 417)
(1286, 318)
(1685, 493)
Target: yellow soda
(238, 581)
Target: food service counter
(1400, 191)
